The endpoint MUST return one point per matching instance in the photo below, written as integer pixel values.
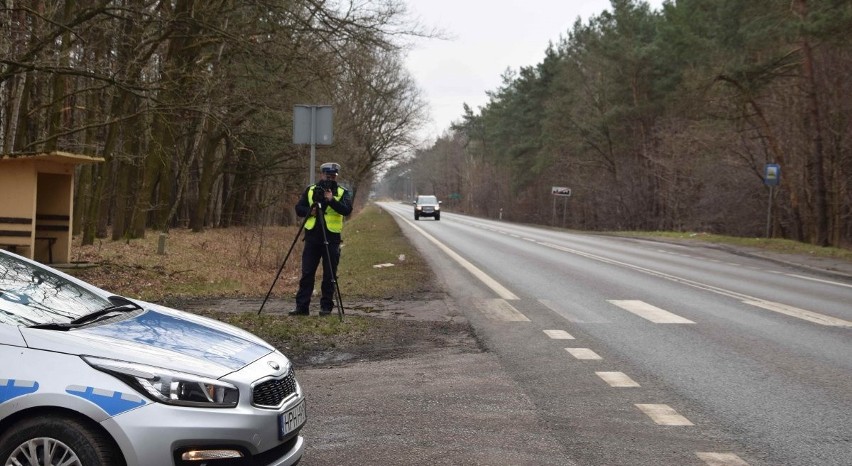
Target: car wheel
(56, 440)
(416, 217)
(437, 217)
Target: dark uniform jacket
(342, 207)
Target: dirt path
(402, 328)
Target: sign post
(312, 124)
(560, 191)
(771, 178)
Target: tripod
(331, 269)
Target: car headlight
(437, 207)
(170, 387)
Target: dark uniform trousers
(312, 255)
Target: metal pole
(313, 141)
(769, 214)
(553, 213)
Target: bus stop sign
(772, 174)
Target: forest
(655, 119)
(665, 120)
(191, 102)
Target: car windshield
(31, 295)
(427, 200)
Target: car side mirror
(440, 202)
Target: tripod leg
(339, 299)
(331, 267)
(280, 269)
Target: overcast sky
(488, 37)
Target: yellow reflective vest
(333, 220)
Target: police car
(89, 378)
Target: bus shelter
(36, 204)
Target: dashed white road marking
(558, 334)
(583, 353)
(649, 312)
(617, 379)
(500, 309)
(720, 459)
(664, 415)
(701, 286)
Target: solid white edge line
(828, 282)
(501, 291)
(803, 314)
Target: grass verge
(377, 263)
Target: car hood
(159, 337)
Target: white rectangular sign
(312, 120)
(560, 191)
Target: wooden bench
(41, 226)
(6, 235)
(44, 223)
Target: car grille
(271, 393)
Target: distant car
(427, 206)
(89, 378)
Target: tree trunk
(813, 124)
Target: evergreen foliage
(665, 120)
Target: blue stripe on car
(11, 388)
(111, 402)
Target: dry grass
(243, 262)
(214, 263)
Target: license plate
(291, 420)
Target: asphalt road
(604, 351)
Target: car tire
(416, 217)
(437, 217)
(81, 445)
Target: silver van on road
(427, 206)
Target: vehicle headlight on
(170, 387)
(437, 207)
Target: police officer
(326, 203)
